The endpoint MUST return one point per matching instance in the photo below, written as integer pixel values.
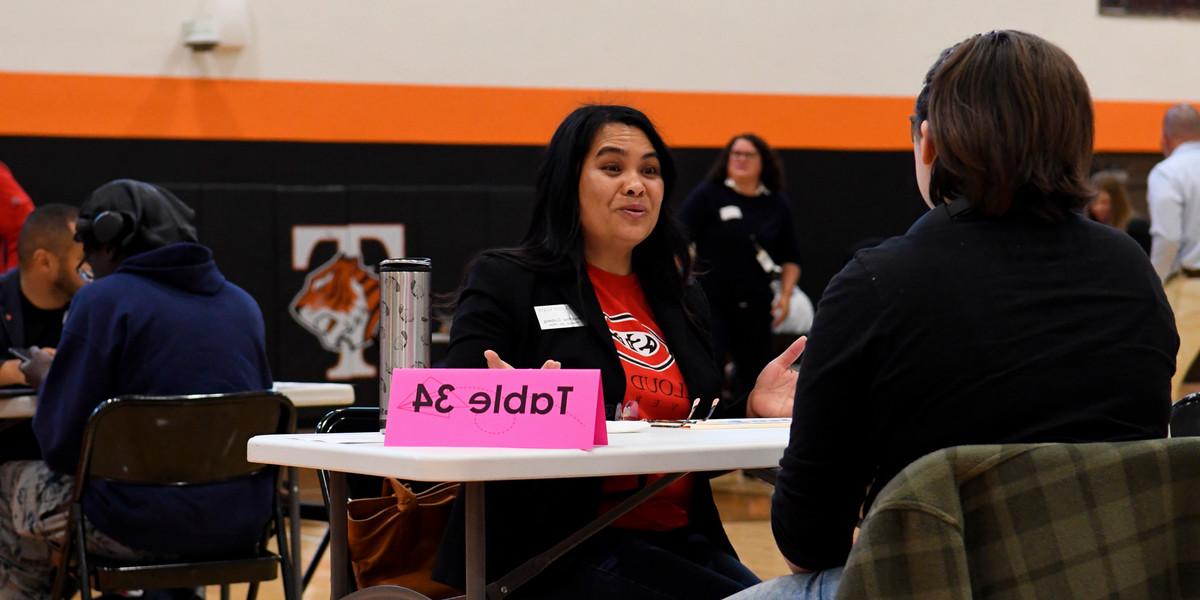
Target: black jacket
(968, 330)
(17, 442)
(727, 248)
(12, 329)
(496, 311)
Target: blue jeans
(818, 585)
(642, 565)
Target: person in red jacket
(15, 206)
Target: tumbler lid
(392, 265)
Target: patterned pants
(34, 501)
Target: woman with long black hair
(602, 280)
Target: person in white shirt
(1174, 197)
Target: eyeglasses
(914, 126)
(743, 155)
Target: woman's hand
(775, 388)
(494, 361)
(780, 308)
(787, 285)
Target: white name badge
(731, 212)
(557, 316)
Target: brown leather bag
(393, 540)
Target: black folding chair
(352, 419)
(176, 441)
(356, 419)
(1185, 416)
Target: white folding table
(307, 395)
(314, 395)
(302, 395)
(18, 407)
(659, 450)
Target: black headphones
(107, 227)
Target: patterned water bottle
(404, 335)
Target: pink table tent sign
(496, 408)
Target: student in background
(742, 227)
(33, 304)
(160, 319)
(1173, 194)
(1111, 206)
(15, 207)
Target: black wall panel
(452, 201)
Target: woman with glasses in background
(742, 227)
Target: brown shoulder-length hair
(772, 166)
(1113, 184)
(1011, 118)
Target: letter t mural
(339, 303)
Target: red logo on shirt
(638, 344)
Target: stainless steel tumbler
(404, 333)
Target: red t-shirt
(654, 389)
(15, 205)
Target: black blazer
(496, 311)
(17, 442)
(12, 320)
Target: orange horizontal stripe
(35, 104)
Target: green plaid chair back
(1071, 521)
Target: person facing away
(1002, 316)
(33, 304)
(1173, 194)
(160, 319)
(604, 256)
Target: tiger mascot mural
(339, 304)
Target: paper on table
(627, 426)
(360, 437)
(727, 423)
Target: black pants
(17, 441)
(742, 330)
(642, 565)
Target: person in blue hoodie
(160, 319)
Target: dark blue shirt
(165, 323)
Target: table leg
(293, 484)
(339, 555)
(476, 542)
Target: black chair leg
(58, 592)
(286, 569)
(252, 592)
(225, 592)
(85, 590)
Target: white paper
(731, 212)
(556, 316)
